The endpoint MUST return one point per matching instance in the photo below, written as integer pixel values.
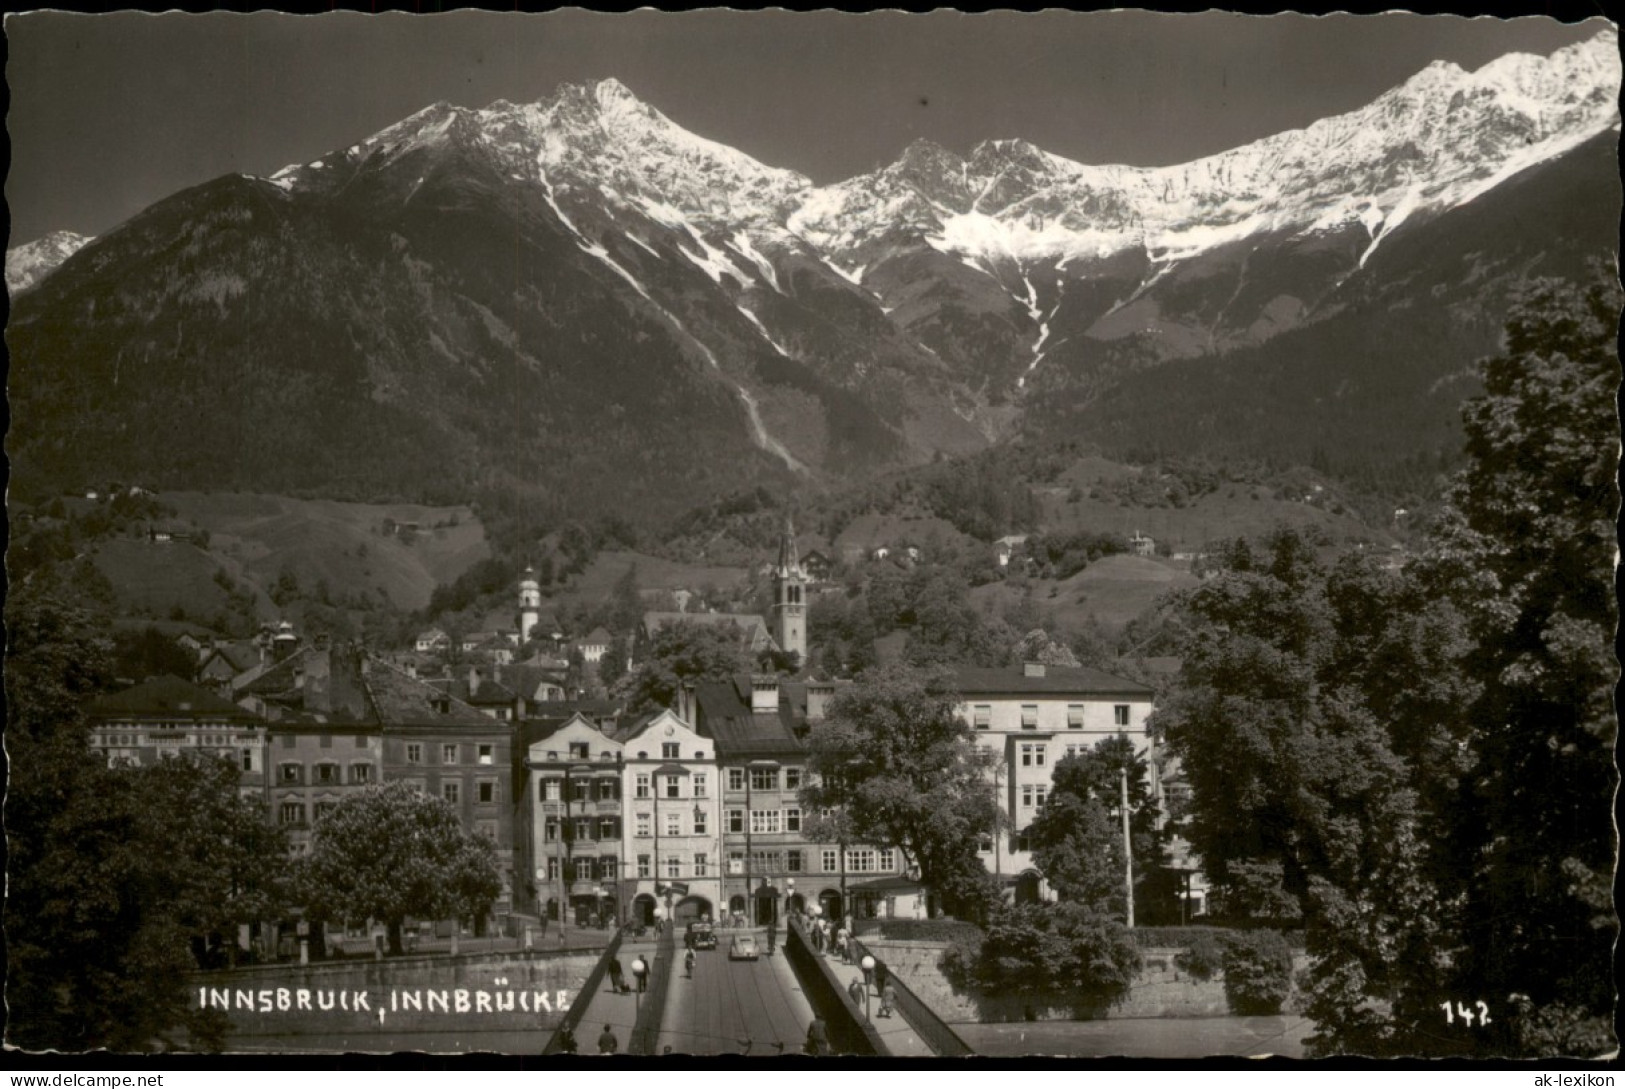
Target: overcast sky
(111, 113)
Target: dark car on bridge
(701, 936)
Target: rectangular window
(578, 789)
(606, 828)
(451, 791)
(1023, 843)
(487, 752)
(607, 865)
(672, 786)
(640, 786)
(550, 830)
(764, 778)
(292, 813)
(322, 809)
(248, 759)
(360, 773)
(488, 791)
(674, 866)
(736, 778)
(792, 861)
(861, 860)
(1120, 714)
(292, 773)
(583, 869)
(326, 741)
(982, 716)
(1027, 797)
(327, 773)
(1074, 716)
(645, 868)
(700, 823)
(699, 784)
(1040, 795)
(736, 820)
(1027, 756)
(448, 754)
(792, 820)
(583, 829)
(671, 750)
(414, 753)
(579, 750)
(831, 861)
(701, 864)
(766, 862)
(1029, 716)
(887, 861)
(985, 845)
(792, 778)
(550, 790)
(645, 829)
(764, 820)
(552, 869)
(674, 824)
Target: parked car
(701, 936)
(743, 947)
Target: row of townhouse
(693, 811)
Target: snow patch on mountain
(28, 264)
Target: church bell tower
(789, 598)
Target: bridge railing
(849, 1031)
(652, 1010)
(578, 1010)
(936, 1033)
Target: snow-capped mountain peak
(28, 264)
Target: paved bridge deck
(735, 1007)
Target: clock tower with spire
(790, 598)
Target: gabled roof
(317, 682)
(723, 714)
(406, 701)
(749, 625)
(240, 657)
(168, 697)
(1057, 680)
(597, 635)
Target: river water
(1151, 1038)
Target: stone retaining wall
(1162, 989)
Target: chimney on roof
(764, 693)
(819, 693)
(685, 702)
(1033, 669)
(473, 681)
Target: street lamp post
(868, 965)
(640, 972)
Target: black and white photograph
(759, 535)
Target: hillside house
(1007, 547)
(817, 565)
(431, 641)
(1142, 544)
(594, 645)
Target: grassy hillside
(344, 545)
(1112, 590)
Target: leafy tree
(895, 759)
(111, 872)
(392, 851)
(1066, 952)
(612, 666)
(1257, 972)
(1037, 646)
(1077, 844)
(679, 653)
(1526, 551)
(148, 652)
(626, 602)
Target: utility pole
(1128, 851)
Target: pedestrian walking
(607, 1043)
(617, 976)
(856, 991)
(887, 997)
(567, 1042)
(688, 964)
(817, 1038)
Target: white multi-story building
(672, 841)
(1031, 717)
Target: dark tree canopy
(683, 653)
(896, 760)
(392, 851)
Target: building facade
(670, 790)
(167, 716)
(1031, 717)
(570, 827)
